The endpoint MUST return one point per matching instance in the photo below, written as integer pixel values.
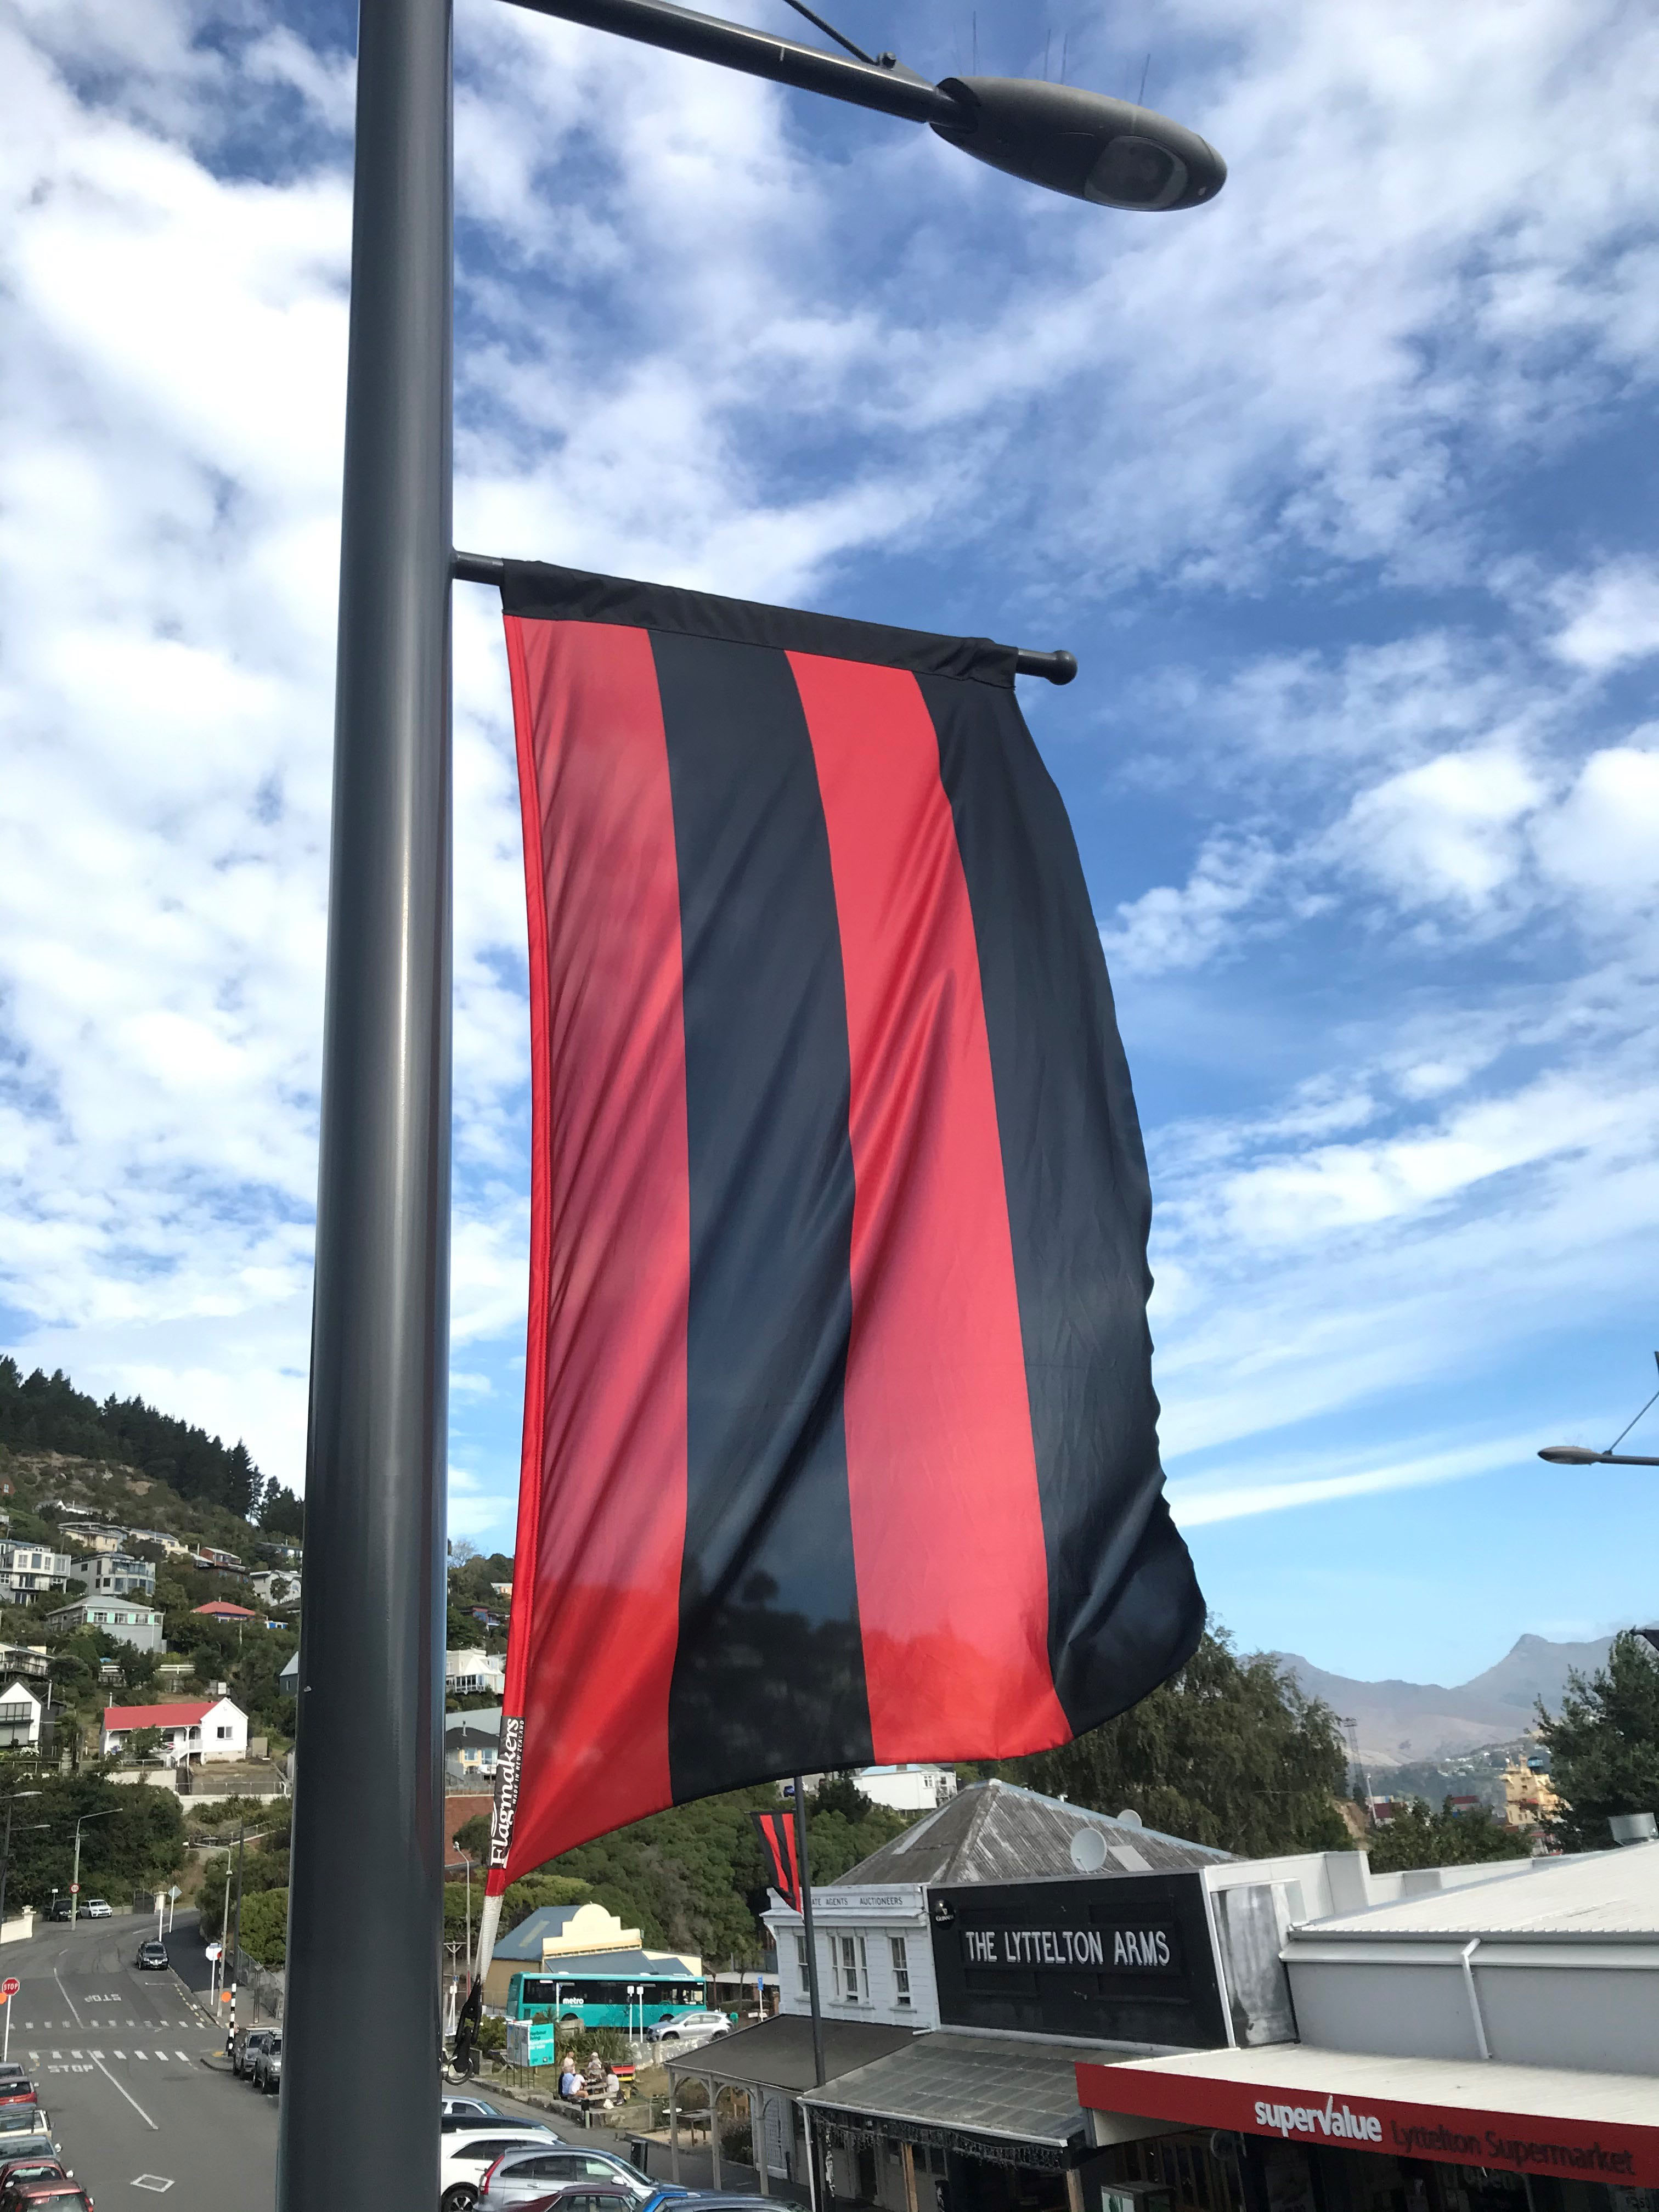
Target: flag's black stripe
(769, 1674)
(542, 592)
(1124, 1607)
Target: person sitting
(571, 2085)
(612, 2086)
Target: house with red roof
(218, 1609)
(196, 1732)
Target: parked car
(63, 2194)
(62, 1908)
(520, 2177)
(19, 2090)
(43, 2166)
(24, 2119)
(681, 2026)
(153, 1954)
(268, 2066)
(40, 2143)
(593, 2197)
(465, 2155)
(250, 2042)
(468, 2112)
(11, 2071)
(578, 2200)
(97, 1908)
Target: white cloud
(1612, 616)
(1447, 830)
(1171, 927)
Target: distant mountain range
(1401, 1722)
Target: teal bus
(591, 1994)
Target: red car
(38, 2168)
(58, 2192)
(18, 2092)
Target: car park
(465, 2155)
(682, 2026)
(153, 1955)
(520, 2177)
(268, 2066)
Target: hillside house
(474, 1674)
(21, 1715)
(115, 1574)
(26, 1569)
(277, 1588)
(202, 1732)
(127, 1621)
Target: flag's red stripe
(604, 1480)
(947, 1528)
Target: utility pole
(236, 1940)
(812, 1996)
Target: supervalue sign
(1624, 2154)
(1125, 1958)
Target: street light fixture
(356, 2120)
(1578, 1455)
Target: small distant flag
(840, 1444)
(777, 1835)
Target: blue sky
(1341, 490)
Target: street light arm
(1578, 1455)
(891, 90)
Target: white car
(466, 2154)
(97, 1908)
(698, 2024)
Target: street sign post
(9, 1989)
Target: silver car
(522, 2176)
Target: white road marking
(186, 2055)
(141, 2054)
(158, 2182)
(130, 2099)
(67, 1998)
(120, 2054)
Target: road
(119, 2060)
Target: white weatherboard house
(19, 1717)
(200, 1733)
(474, 1674)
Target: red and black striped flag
(839, 1442)
(777, 1836)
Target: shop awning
(777, 2053)
(985, 2096)
(1529, 2119)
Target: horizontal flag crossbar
(1058, 667)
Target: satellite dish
(1088, 1851)
(1129, 1818)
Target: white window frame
(900, 1951)
(854, 1970)
(800, 1966)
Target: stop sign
(11, 1986)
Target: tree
(283, 1513)
(1604, 1745)
(1227, 1752)
(140, 1845)
(1415, 1837)
(264, 1925)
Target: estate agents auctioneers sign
(1127, 1959)
(1622, 2153)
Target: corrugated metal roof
(1602, 1893)
(997, 1831)
(983, 2085)
(777, 2053)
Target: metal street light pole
(5, 1856)
(75, 1878)
(1575, 1456)
(358, 2123)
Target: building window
(800, 1964)
(221, 1734)
(854, 1975)
(901, 1970)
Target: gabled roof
(997, 1831)
(219, 1608)
(143, 1717)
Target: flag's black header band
(537, 591)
